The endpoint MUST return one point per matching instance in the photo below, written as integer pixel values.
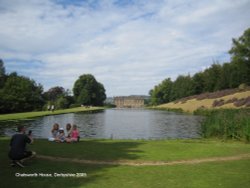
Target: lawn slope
(225, 99)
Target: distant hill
(230, 98)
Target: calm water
(117, 124)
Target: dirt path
(146, 163)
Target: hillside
(230, 98)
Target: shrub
(243, 86)
(226, 123)
(217, 103)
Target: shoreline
(30, 115)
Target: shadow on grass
(88, 149)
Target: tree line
(217, 77)
(21, 94)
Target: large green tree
(20, 94)
(240, 57)
(211, 78)
(2, 73)
(88, 91)
(59, 97)
(183, 86)
(54, 93)
(2, 68)
(198, 83)
(161, 93)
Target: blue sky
(129, 46)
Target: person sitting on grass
(61, 137)
(54, 132)
(68, 130)
(18, 153)
(75, 134)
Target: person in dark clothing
(18, 152)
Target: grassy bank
(227, 113)
(227, 123)
(197, 102)
(177, 110)
(27, 115)
(211, 174)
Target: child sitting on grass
(75, 134)
(61, 136)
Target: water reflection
(117, 124)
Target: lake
(116, 124)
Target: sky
(128, 45)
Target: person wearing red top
(74, 134)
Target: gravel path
(146, 163)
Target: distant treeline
(217, 77)
(22, 94)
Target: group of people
(70, 135)
(51, 107)
(18, 152)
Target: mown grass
(163, 150)
(28, 115)
(226, 124)
(214, 174)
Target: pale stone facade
(129, 102)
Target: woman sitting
(68, 130)
(54, 132)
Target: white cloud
(128, 47)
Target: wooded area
(217, 77)
(22, 94)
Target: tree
(2, 73)
(198, 83)
(183, 86)
(20, 94)
(2, 69)
(62, 103)
(240, 52)
(211, 78)
(161, 93)
(88, 91)
(166, 88)
(53, 93)
(59, 97)
(156, 95)
(100, 94)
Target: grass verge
(28, 115)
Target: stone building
(129, 102)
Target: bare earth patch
(147, 163)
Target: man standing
(52, 108)
(18, 152)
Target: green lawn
(163, 150)
(27, 115)
(211, 174)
